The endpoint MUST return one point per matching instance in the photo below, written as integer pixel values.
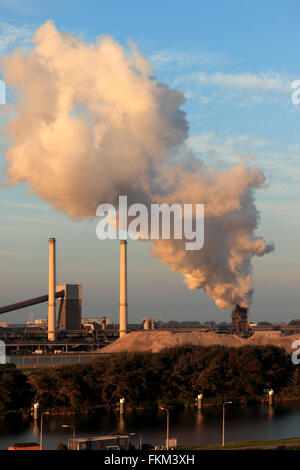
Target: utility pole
(223, 426)
(168, 425)
(41, 430)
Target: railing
(42, 360)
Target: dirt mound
(154, 341)
(279, 341)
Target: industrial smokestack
(240, 323)
(123, 288)
(51, 292)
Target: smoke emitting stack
(51, 292)
(239, 317)
(123, 288)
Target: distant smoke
(92, 123)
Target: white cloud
(25, 205)
(226, 146)
(11, 36)
(263, 82)
(176, 57)
(279, 161)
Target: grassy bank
(268, 444)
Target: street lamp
(223, 427)
(70, 426)
(41, 431)
(168, 425)
(140, 438)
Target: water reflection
(121, 425)
(35, 428)
(191, 427)
(270, 412)
(199, 418)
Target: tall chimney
(51, 292)
(123, 288)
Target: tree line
(172, 376)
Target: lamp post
(70, 426)
(168, 425)
(223, 427)
(122, 405)
(41, 431)
(139, 437)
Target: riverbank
(172, 377)
(291, 443)
(27, 414)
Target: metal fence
(28, 361)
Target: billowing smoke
(92, 123)
(223, 267)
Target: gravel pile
(154, 341)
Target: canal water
(190, 427)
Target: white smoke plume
(92, 123)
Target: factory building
(149, 324)
(63, 327)
(69, 307)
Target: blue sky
(235, 62)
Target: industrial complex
(65, 331)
